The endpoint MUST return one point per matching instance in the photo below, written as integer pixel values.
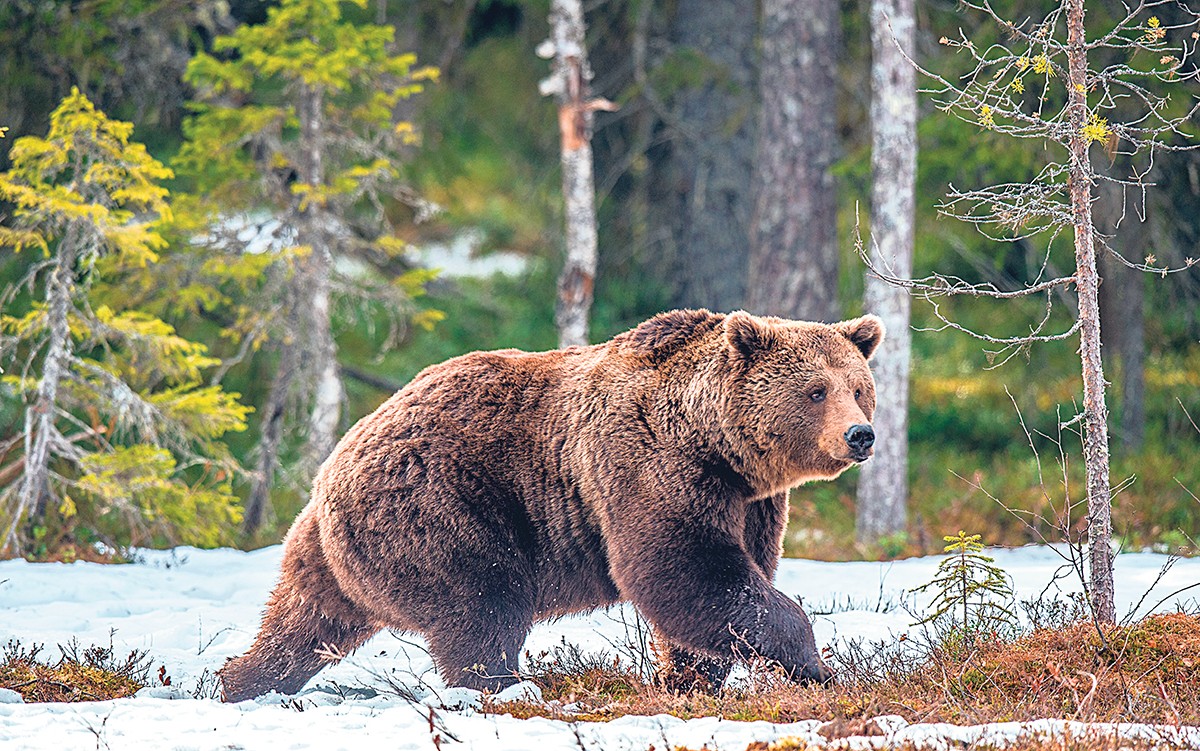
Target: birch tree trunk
(328, 391)
(1095, 412)
(883, 481)
(569, 82)
(793, 265)
(39, 416)
(321, 371)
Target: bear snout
(860, 439)
(818, 673)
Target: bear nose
(860, 438)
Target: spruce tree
(120, 439)
(971, 592)
(295, 128)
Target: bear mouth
(858, 457)
(843, 456)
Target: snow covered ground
(191, 609)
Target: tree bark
(1095, 412)
(712, 153)
(793, 265)
(321, 372)
(883, 481)
(570, 82)
(39, 416)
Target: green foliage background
(489, 156)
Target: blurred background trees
(695, 206)
(793, 248)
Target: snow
(460, 257)
(259, 232)
(191, 609)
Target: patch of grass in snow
(580, 684)
(1145, 672)
(93, 674)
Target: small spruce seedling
(971, 591)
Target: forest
(231, 228)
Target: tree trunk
(328, 391)
(570, 81)
(1122, 302)
(1132, 351)
(883, 481)
(270, 439)
(645, 122)
(39, 416)
(793, 247)
(1095, 412)
(712, 154)
(321, 373)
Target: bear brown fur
(502, 488)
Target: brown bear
(502, 488)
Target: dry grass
(94, 674)
(1090, 742)
(1146, 672)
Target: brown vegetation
(1145, 672)
(93, 675)
(1097, 741)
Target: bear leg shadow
(683, 671)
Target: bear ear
(865, 333)
(747, 335)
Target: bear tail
(308, 623)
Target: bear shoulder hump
(666, 333)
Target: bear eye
(858, 393)
(818, 395)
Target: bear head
(801, 396)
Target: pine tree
(120, 434)
(295, 127)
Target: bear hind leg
(308, 623)
(296, 640)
